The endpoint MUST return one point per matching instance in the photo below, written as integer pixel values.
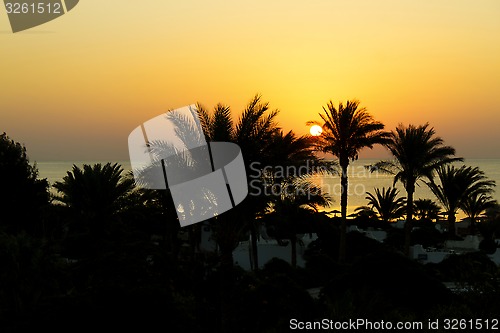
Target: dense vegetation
(105, 254)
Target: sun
(315, 130)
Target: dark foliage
(113, 258)
(379, 283)
(23, 195)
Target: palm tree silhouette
(253, 132)
(418, 152)
(458, 184)
(476, 204)
(98, 202)
(261, 141)
(346, 130)
(290, 150)
(95, 191)
(296, 196)
(386, 203)
(426, 209)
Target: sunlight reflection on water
(360, 179)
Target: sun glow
(315, 130)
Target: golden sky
(74, 88)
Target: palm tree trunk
(409, 220)
(293, 241)
(343, 209)
(255, 251)
(452, 231)
(192, 239)
(472, 225)
(226, 288)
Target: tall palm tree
(264, 145)
(473, 206)
(418, 152)
(426, 209)
(458, 184)
(259, 137)
(386, 203)
(253, 132)
(347, 129)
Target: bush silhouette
(23, 195)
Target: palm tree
(290, 150)
(386, 203)
(95, 191)
(418, 152)
(258, 136)
(293, 164)
(426, 209)
(264, 145)
(473, 206)
(253, 132)
(458, 184)
(365, 212)
(347, 129)
(296, 196)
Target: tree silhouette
(292, 191)
(95, 191)
(94, 199)
(346, 130)
(23, 195)
(476, 204)
(386, 203)
(456, 185)
(294, 198)
(426, 209)
(253, 132)
(418, 152)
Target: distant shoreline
(55, 170)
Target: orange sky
(74, 88)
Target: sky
(74, 88)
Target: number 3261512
(33, 8)
(471, 324)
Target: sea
(360, 179)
